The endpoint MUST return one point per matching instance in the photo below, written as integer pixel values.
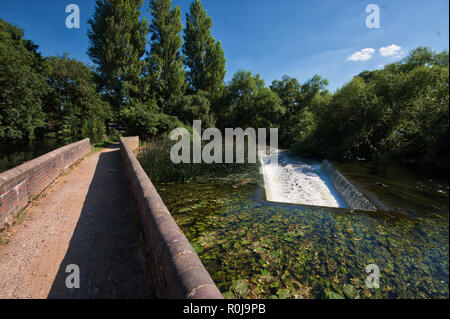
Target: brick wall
(20, 184)
(176, 270)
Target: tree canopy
(22, 84)
(117, 42)
(204, 56)
(399, 112)
(165, 62)
(72, 105)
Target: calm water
(406, 188)
(16, 153)
(257, 249)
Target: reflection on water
(257, 249)
(18, 152)
(408, 188)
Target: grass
(109, 140)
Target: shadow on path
(106, 243)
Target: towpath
(87, 219)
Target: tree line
(153, 76)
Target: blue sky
(299, 38)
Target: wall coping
(181, 274)
(17, 171)
(20, 184)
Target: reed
(155, 159)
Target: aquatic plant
(255, 249)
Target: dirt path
(86, 219)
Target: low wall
(132, 143)
(176, 270)
(352, 196)
(19, 185)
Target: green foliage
(72, 104)
(196, 107)
(203, 56)
(117, 42)
(248, 103)
(22, 84)
(298, 100)
(400, 112)
(165, 71)
(356, 126)
(143, 121)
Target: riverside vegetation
(250, 247)
(398, 113)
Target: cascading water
(290, 180)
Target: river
(255, 248)
(18, 152)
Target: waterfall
(352, 196)
(293, 181)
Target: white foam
(296, 182)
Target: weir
(352, 196)
(295, 181)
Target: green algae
(255, 249)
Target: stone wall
(19, 185)
(174, 266)
(132, 142)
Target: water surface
(18, 152)
(296, 181)
(257, 249)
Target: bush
(142, 121)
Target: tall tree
(165, 62)
(22, 84)
(117, 43)
(203, 56)
(72, 104)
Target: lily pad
(350, 291)
(240, 288)
(228, 295)
(283, 294)
(333, 295)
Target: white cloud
(390, 50)
(363, 55)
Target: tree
(117, 43)
(196, 107)
(22, 84)
(165, 63)
(248, 103)
(72, 104)
(399, 112)
(144, 122)
(203, 56)
(298, 100)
